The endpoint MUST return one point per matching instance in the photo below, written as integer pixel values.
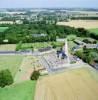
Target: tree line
(25, 32)
(89, 56)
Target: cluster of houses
(81, 44)
(33, 15)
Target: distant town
(19, 16)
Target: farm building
(79, 42)
(92, 46)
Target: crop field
(2, 29)
(88, 24)
(8, 47)
(11, 62)
(21, 91)
(94, 30)
(74, 84)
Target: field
(2, 29)
(39, 45)
(27, 67)
(28, 46)
(35, 45)
(25, 46)
(22, 91)
(94, 30)
(23, 88)
(88, 24)
(8, 47)
(74, 84)
(11, 62)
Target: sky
(48, 3)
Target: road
(15, 53)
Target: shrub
(35, 75)
(86, 41)
(19, 45)
(53, 45)
(5, 78)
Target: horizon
(48, 8)
(49, 4)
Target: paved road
(35, 53)
(16, 53)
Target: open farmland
(88, 24)
(94, 30)
(2, 29)
(75, 84)
(10, 62)
(22, 91)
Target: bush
(19, 45)
(5, 78)
(86, 41)
(53, 45)
(35, 75)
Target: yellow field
(76, 84)
(7, 47)
(88, 24)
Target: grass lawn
(10, 62)
(22, 91)
(94, 30)
(2, 29)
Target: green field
(39, 45)
(94, 30)
(22, 91)
(2, 29)
(10, 62)
(35, 45)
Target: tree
(83, 32)
(86, 41)
(92, 56)
(53, 45)
(5, 78)
(35, 75)
(79, 54)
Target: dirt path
(25, 70)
